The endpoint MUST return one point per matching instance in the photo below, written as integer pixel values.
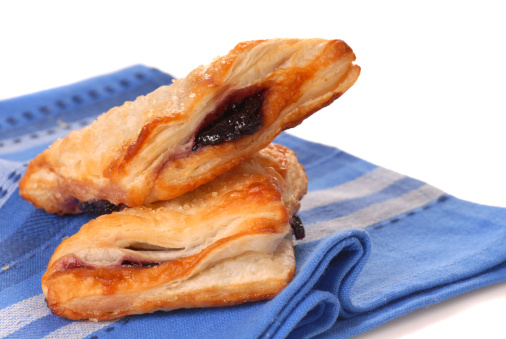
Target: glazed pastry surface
(225, 243)
(181, 136)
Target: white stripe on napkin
(369, 183)
(77, 329)
(44, 137)
(19, 315)
(374, 214)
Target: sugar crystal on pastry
(181, 136)
(225, 243)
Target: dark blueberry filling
(99, 207)
(239, 118)
(298, 228)
(129, 263)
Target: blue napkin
(379, 244)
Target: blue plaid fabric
(379, 244)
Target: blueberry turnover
(225, 243)
(181, 136)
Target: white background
(430, 101)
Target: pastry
(184, 135)
(227, 242)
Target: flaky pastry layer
(227, 242)
(181, 136)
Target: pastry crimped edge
(144, 158)
(247, 260)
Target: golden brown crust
(147, 156)
(205, 297)
(223, 243)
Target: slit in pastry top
(239, 116)
(181, 136)
(140, 259)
